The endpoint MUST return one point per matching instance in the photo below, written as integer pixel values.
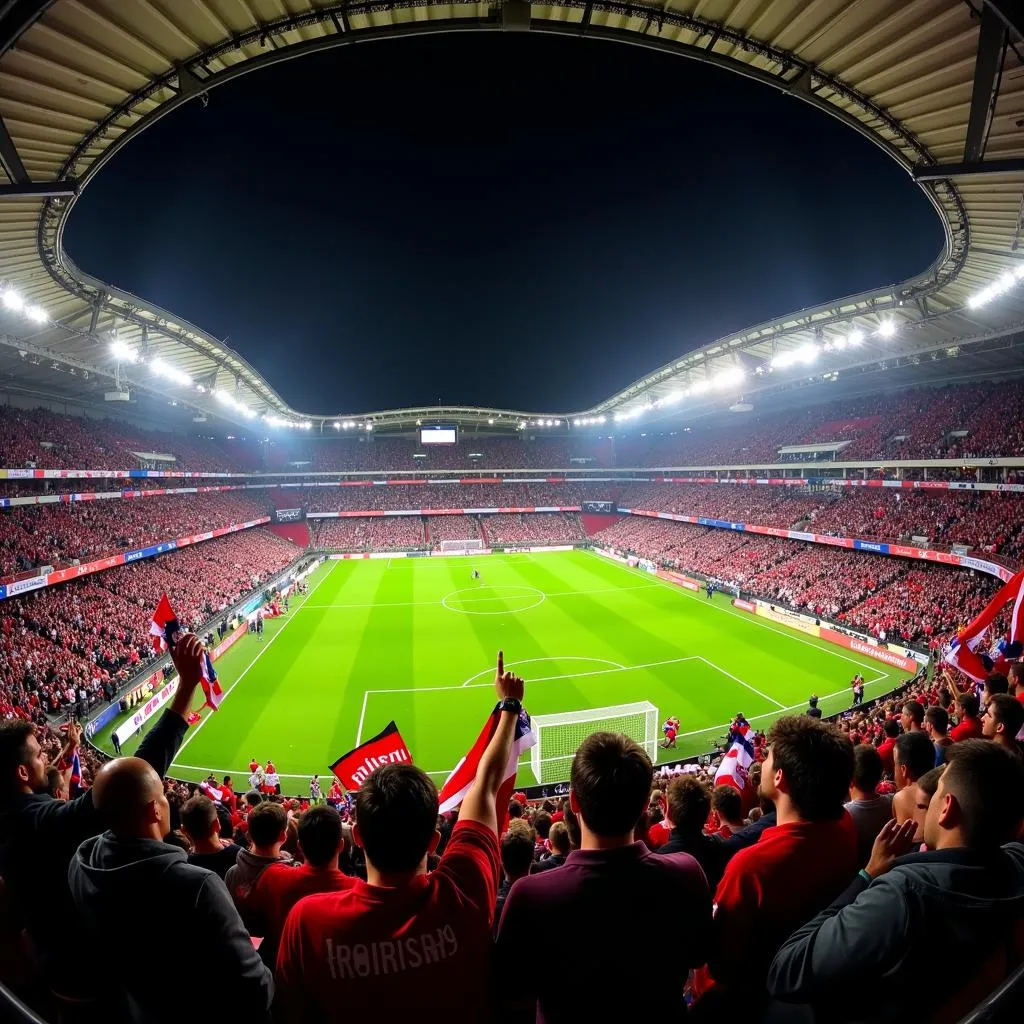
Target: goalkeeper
(476, 575)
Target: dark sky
(492, 219)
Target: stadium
(823, 512)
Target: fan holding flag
(403, 941)
(165, 630)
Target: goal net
(469, 544)
(559, 735)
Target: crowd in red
(63, 534)
(891, 598)
(361, 533)
(913, 424)
(77, 641)
(533, 528)
(991, 520)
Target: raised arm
(479, 804)
(163, 740)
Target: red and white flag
(165, 629)
(387, 747)
(454, 791)
(965, 652)
(735, 767)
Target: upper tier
(967, 421)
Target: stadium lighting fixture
(337, 425)
(887, 328)
(490, 421)
(171, 373)
(369, 426)
(854, 338)
(123, 353)
(36, 314)
(728, 378)
(12, 300)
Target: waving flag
(164, 630)
(454, 791)
(387, 747)
(215, 793)
(735, 766)
(966, 652)
(75, 782)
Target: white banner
(132, 725)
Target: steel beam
(988, 67)
(39, 189)
(969, 169)
(9, 158)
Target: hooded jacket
(187, 910)
(241, 879)
(38, 839)
(878, 940)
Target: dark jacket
(187, 911)
(748, 835)
(878, 940)
(556, 860)
(707, 851)
(241, 879)
(38, 838)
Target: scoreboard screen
(289, 515)
(439, 435)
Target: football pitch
(414, 640)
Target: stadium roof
(937, 84)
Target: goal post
(559, 735)
(457, 546)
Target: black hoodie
(867, 956)
(187, 910)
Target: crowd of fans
(964, 421)
(990, 520)
(361, 533)
(66, 534)
(891, 598)
(72, 645)
(814, 889)
(533, 528)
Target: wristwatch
(512, 704)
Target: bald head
(130, 796)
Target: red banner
(387, 747)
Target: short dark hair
(689, 804)
(320, 835)
(14, 735)
(559, 837)
(253, 799)
(542, 823)
(939, 718)
(727, 802)
(996, 682)
(266, 823)
(915, 752)
(1016, 673)
(611, 780)
(891, 728)
(867, 767)
(988, 783)
(198, 816)
(969, 704)
(54, 780)
(915, 709)
(572, 825)
(929, 782)
(1008, 712)
(515, 809)
(517, 849)
(396, 813)
(816, 760)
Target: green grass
(414, 640)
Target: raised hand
(892, 842)
(507, 684)
(187, 657)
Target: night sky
(492, 219)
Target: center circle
(514, 598)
